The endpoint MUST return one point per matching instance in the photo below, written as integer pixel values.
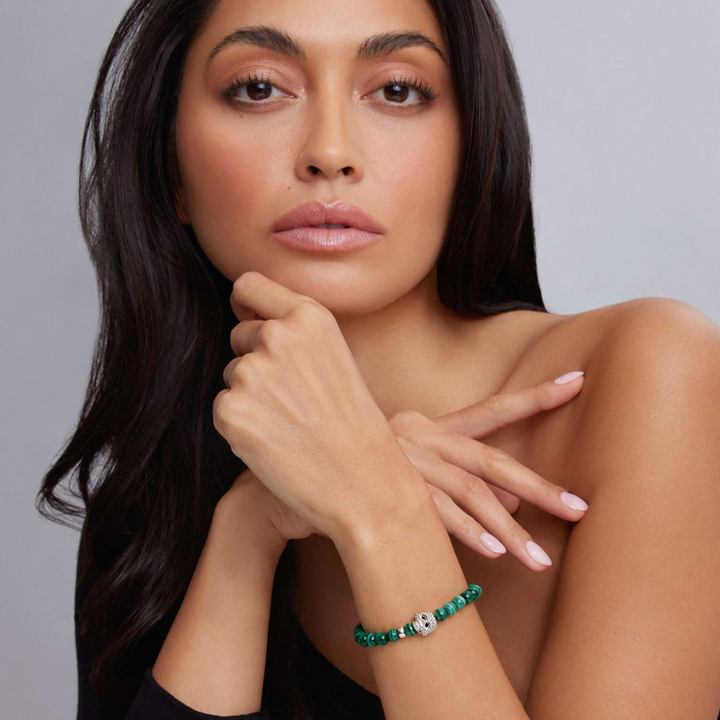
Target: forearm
(213, 658)
(405, 566)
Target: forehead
(323, 25)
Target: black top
(329, 693)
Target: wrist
(405, 507)
(241, 521)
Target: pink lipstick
(317, 227)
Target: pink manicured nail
(537, 553)
(568, 377)
(492, 543)
(573, 501)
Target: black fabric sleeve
(154, 703)
(135, 695)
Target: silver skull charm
(424, 623)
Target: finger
(501, 410)
(229, 372)
(496, 467)
(477, 501)
(243, 337)
(504, 471)
(268, 299)
(464, 527)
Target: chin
(344, 291)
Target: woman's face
(264, 126)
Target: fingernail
(573, 501)
(537, 553)
(492, 543)
(568, 377)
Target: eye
(251, 90)
(396, 91)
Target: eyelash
(427, 93)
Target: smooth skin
(345, 370)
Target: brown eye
(259, 90)
(251, 90)
(405, 92)
(396, 93)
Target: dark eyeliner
(237, 83)
(423, 88)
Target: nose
(330, 141)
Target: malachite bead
(365, 639)
(475, 590)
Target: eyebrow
(279, 41)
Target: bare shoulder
(661, 327)
(642, 443)
(647, 362)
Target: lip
(297, 228)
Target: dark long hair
(146, 465)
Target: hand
(284, 522)
(470, 480)
(298, 413)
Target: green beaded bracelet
(423, 623)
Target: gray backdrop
(624, 112)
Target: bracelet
(423, 623)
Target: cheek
(417, 173)
(218, 170)
(226, 181)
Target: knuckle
(248, 370)
(246, 280)
(271, 333)
(546, 489)
(402, 420)
(220, 410)
(309, 308)
(517, 535)
(465, 525)
(473, 487)
(307, 313)
(494, 458)
(442, 499)
(496, 403)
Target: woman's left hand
(476, 486)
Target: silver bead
(401, 632)
(424, 623)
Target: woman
(380, 392)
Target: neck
(404, 349)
